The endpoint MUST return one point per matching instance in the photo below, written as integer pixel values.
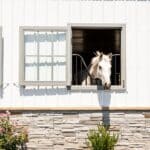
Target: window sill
(95, 88)
(42, 83)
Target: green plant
(101, 138)
(12, 136)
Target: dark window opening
(85, 42)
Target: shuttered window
(43, 56)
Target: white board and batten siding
(135, 14)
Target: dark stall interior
(87, 41)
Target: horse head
(101, 68)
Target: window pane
(59, 69)
(59, 41)
(45, 43)
(31, 68)
(45, 69)
(30, 39)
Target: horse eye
(100, 67)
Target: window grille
(85, 39)
(79, 68)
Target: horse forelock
(95, 60)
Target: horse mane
(94, 62)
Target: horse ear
(110, 56)
(101, 55)
(98, 53)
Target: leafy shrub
(101, 138)
(12, 136)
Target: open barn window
(89, 41)
(42, 56)
(1, 59)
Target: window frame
(68, 31)
(22, 81)
(1, 58)
(123, 54)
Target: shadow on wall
(104, 98)
(37, 91)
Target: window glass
(44, 56)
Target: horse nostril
(107, 86)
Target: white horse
(99, 68)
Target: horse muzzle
(107, 86)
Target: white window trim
(1, 58)
(121, 87)
(22, 81)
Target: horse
(99, 68)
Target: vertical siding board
(120, 12)
(142, 53)
(97, 11)
(148, 20)
(30, 12)
(75, 11)
(142, 15)
(148, 54)
(131, 48)
(53, 12)
(119, 16)
(86, 11)
(63, 12)
(41, 13)
(13, 57)
(109, 11)
(7, 33)
(17, 20)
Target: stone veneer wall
(67, 130)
